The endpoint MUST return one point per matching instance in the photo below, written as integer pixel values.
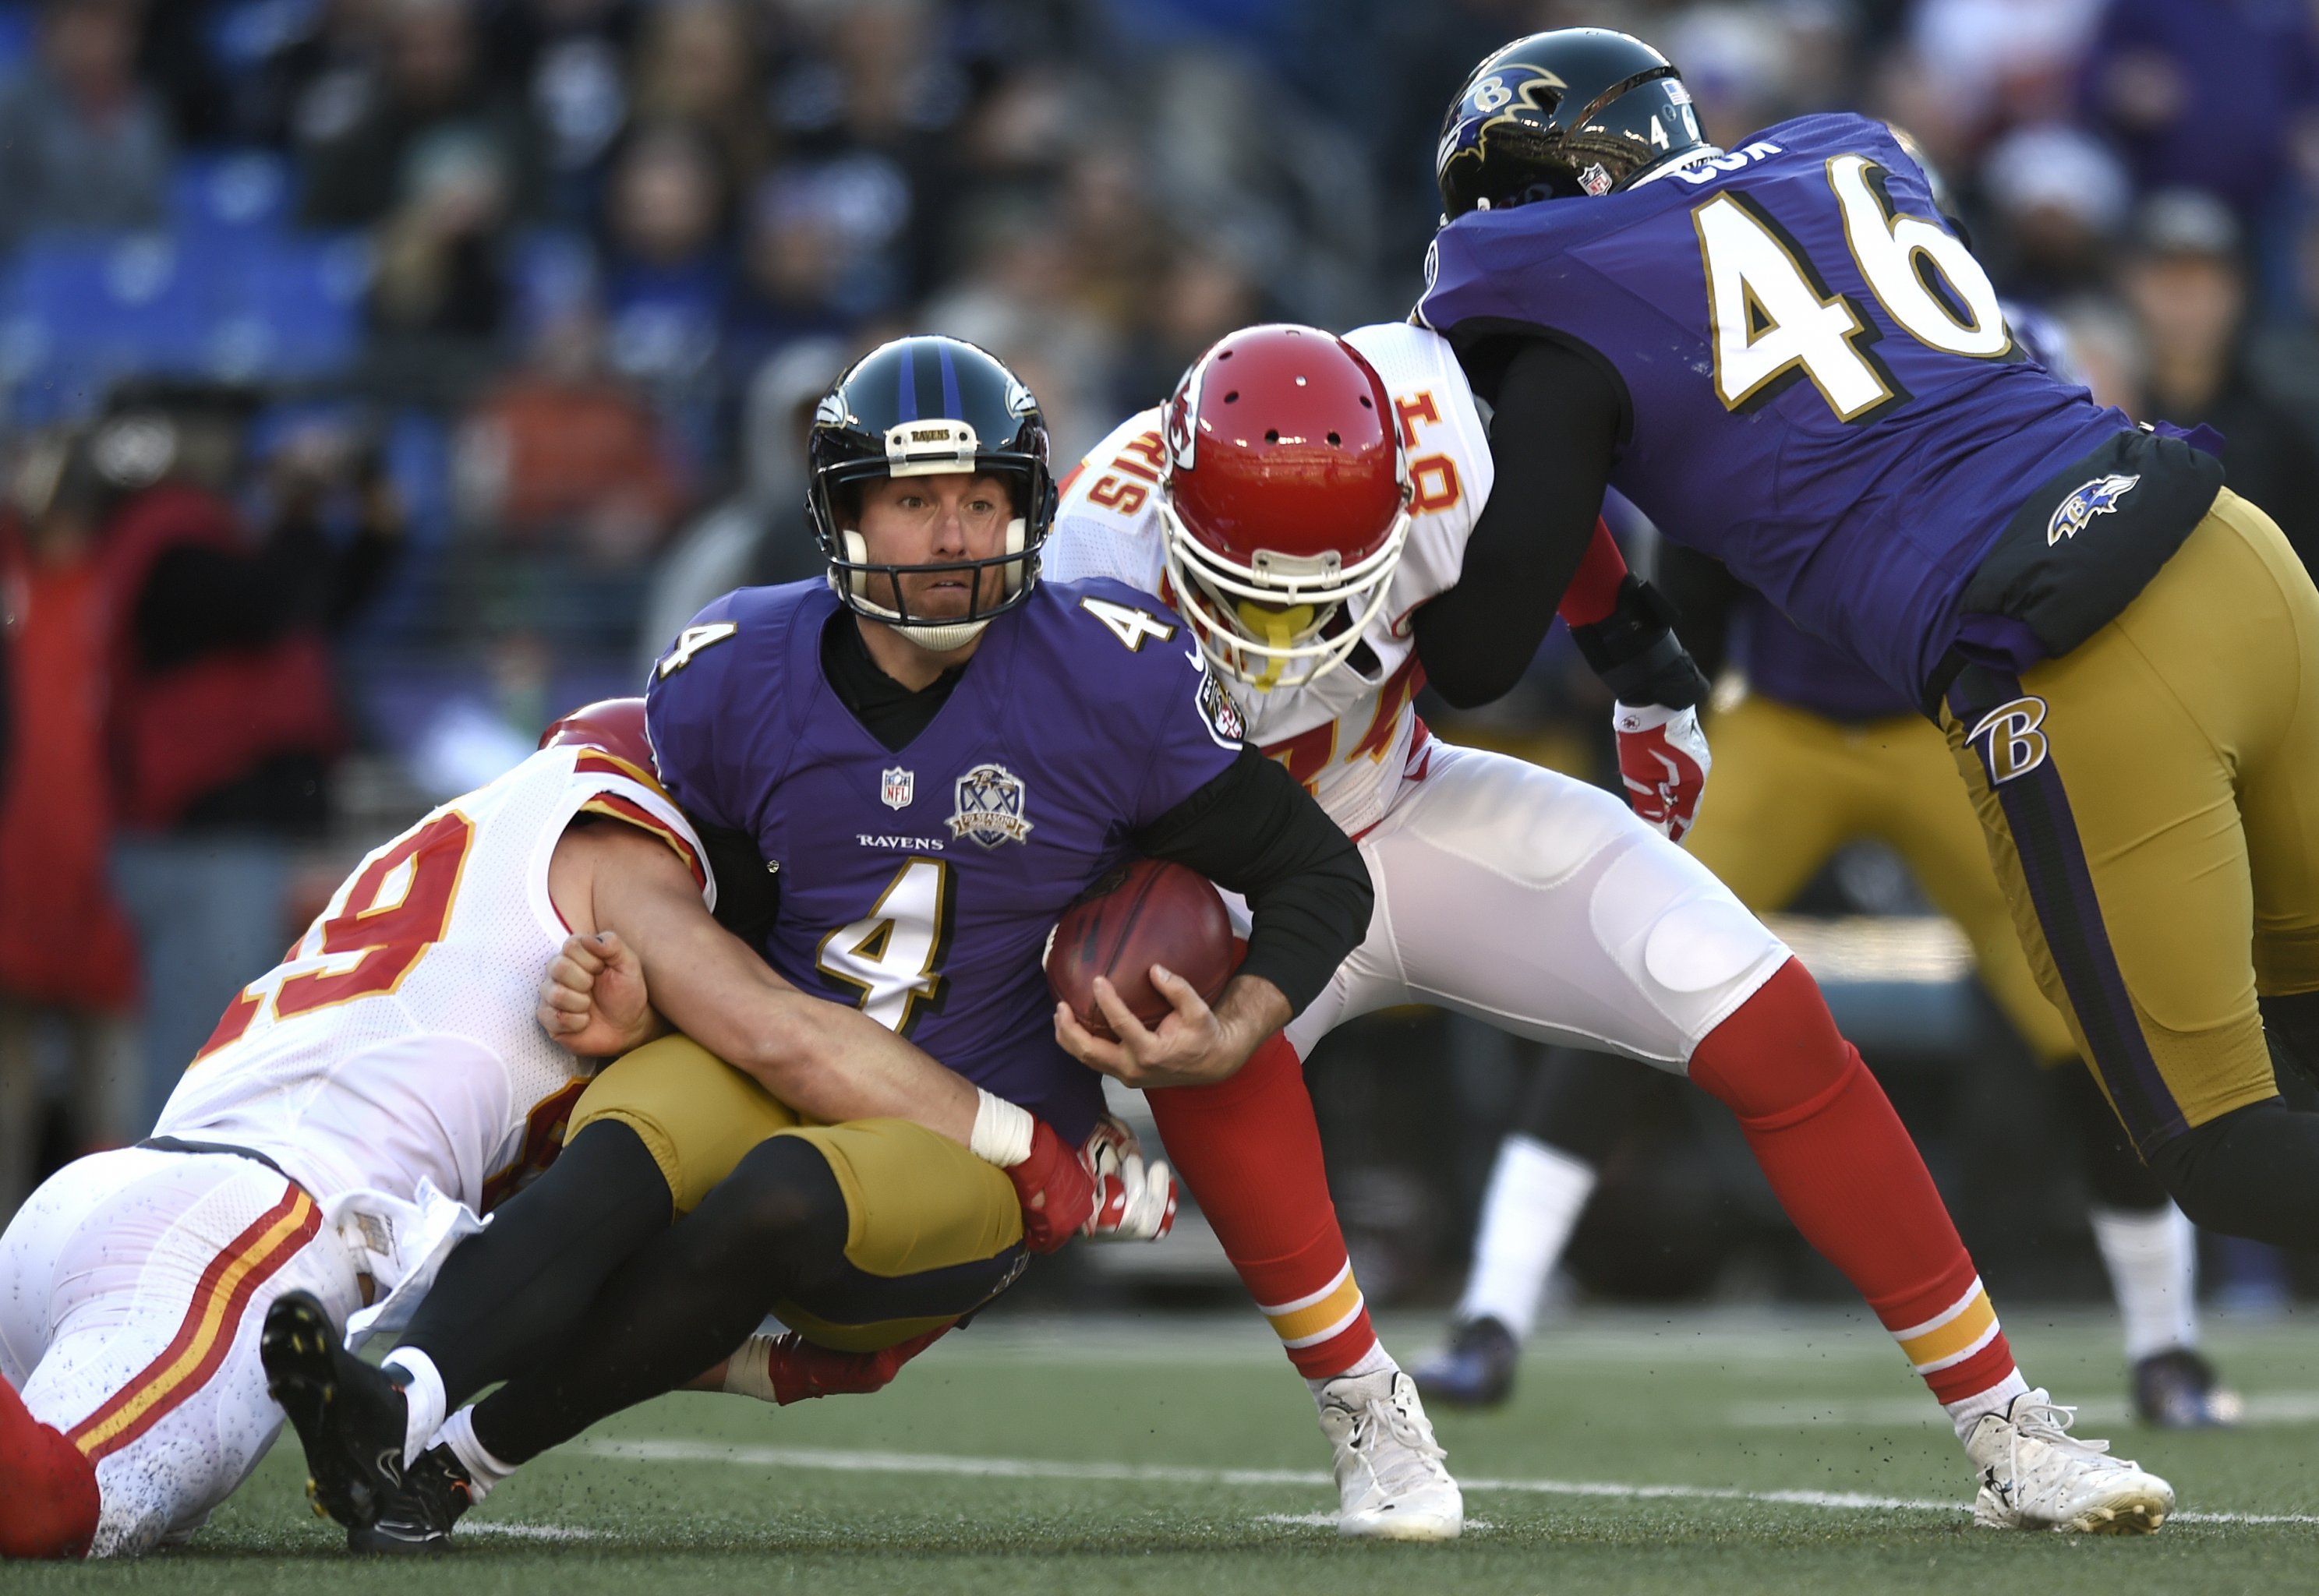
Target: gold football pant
(2151, 802)
(932, 1234)
(1789, 787)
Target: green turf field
(1165, 1455)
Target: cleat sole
(1413, 1527)
(298, 1347)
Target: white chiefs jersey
(397, 1040)
(1351, 737)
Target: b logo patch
(2015, 746)
(990, 807)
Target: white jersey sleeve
(396, 1038)
(1107, 514)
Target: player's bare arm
(1192, 1046)
(826, 1060)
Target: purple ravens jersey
(1782, 661)
(1821, 388)
(921, 884)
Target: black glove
(1635, 653)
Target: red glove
(1056, 1189)
(1134, 1201)
(1662, 760)
(796, 1369)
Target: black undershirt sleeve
(1254, 831)
(1553, 436)
(748, 893)
(1702, 592)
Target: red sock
(48, 1487)
(1850, 1179)
(1250, 1152)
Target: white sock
(1536, 1195)
(2152, 1259)
(458, 1433)
(423, 1398)
(1997, 1399)
(1375, 1361)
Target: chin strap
(934, 636)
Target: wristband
(749, 1372)
(1002, 1131)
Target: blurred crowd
(379, 376)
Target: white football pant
(1543, 905)
(132, 1289)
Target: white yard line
(529, 1531)
(2263, 1408)
(1031, 1468)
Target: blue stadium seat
(292, 309)
(16, 22)
(76, 314)
(228, 199)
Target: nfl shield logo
(990, 799)
(898, 787)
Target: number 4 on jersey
(691, 642)
(893, 954)
(1132, 626)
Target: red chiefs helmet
(1285, 502)
(616, 726)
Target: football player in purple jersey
(903, 774)
(1814, 752)
(1784, 357)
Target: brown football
(1139, 914)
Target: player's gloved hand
(592, 999)
(1135, 1200)
(788, 1368)
(1662, 760)
(1057, 1191)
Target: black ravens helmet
(918, 406)
(1575, 112)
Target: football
(1139, 914)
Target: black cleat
(437, 1491)
(1474, 1370)
(349, 1415)
(2178, 1389)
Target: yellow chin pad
(1276, 626)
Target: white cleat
(1391, 1482)
(2035, 1476)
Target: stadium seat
(224, 200)
(77, 313)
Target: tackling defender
(355, 1109)
(1313, 503)
(931, 754)
(1786, 359)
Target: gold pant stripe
(1317, 1322)
(1958, 1335)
